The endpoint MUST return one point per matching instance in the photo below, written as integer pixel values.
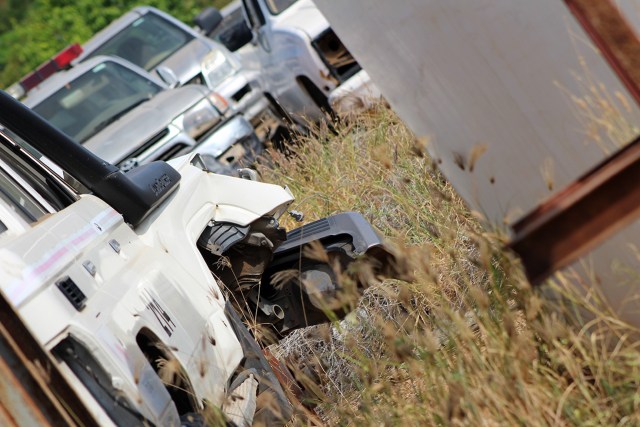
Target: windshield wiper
(103, 124)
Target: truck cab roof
(150, 38)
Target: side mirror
(236, 36)
(208, 19)
(168, 76)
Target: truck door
(272, 64)
(258, 24)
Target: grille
(241, 93)
(149, 143)
(73, 293)
(308, 229)
(173, 152)
(336, 56)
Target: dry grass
(468, 342)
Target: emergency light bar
(59, 62)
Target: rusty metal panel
(516, 103)
(491, 84)
(605, 199)
(19, 405)
(581, 216)
(611, 33)
(33, 392)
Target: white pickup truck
(129, 117)
(156, 41)
(303, 63)
(131, 282)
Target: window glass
(27, 183)
(96, 99)
(278, 6)
(20, 200)
(233, 31)
(146, 42)
(227, 23)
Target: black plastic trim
(72, 292)
(351, 224)
(134, 195)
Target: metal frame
(32, 389)
(576, 219)
(605, 199)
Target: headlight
(217, 67)
(198, 119)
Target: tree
(35, 30)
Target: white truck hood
(186, 61)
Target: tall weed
(468, 342)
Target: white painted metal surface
(150, 278)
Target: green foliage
(32, 31)
(12, 10)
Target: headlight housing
(218, 66)
(198, 119)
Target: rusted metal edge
(578, 218)
(605, 199)
(292, 389)
(41, 392)
(612, 34)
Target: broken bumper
(351, 224)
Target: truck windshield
(99, 97)
(278, 6)
(147, 42)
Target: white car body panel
(355, 94)
(156, 280)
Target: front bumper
(234, 143)
(355, 94)
(352, 224)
